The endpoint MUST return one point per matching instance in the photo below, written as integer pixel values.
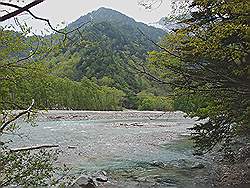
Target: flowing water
(134, 151)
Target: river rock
(158, 164)
(83, 182)
(102, 176)
(198, 166)
(247, 162)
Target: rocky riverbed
(122, 148)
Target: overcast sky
(58, 11)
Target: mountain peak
(118, 20)
(104, 14)
(105, 9)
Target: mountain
(104, 49)
(166, 24)
(103, 15)
(116, 18)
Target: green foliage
(106, 81)
(51, 92)
(23, 78)
(147, 101)
(207, 64)
(29, 168)
(20, 83)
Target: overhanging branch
(28, 110)
(19, 10)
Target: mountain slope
(105, 48)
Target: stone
(244, 152)
(247, 162)
(198, 166)
(158, 164)
(83, 182)
(102, 177)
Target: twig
(148, 4)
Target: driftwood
(45, 146)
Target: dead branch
(157, 45)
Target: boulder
(83, 182)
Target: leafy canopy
(207, 64)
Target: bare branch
(20, 9)
(45, 20)
(214, 72)
(4, 125)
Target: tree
(23, 79)
(207, 63)
(20, 69)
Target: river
(136, 149)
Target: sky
(67, 11)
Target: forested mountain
(102, 49)
(126, 24)
(93, 69)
